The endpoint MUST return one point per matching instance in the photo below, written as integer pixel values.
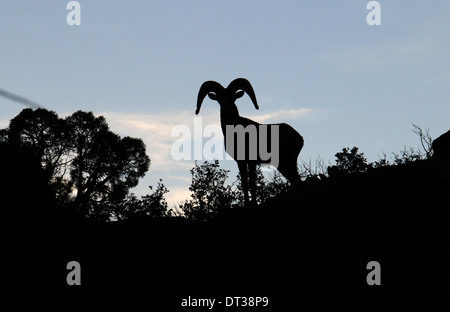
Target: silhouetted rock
(441, 146)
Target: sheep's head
(226, 96)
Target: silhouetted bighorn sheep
(281, 139)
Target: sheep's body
(283, 143)
(290, 143)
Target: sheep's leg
(290, 172)
(244, 181)
(252, 181)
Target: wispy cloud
(19, 99)
(156, 129)
(310, 114)
(3, 124)
(283, 115)
(380, 55)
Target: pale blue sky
(141, 63)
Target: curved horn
(244, 85)
(207, 87)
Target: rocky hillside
(319, 237)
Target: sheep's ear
(212, 96)
(239, 94)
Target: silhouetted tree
(425, 140)
(46, 137)
(210, 195)
(85, 163)
(105, 166)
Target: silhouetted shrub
(153, 205)
(210, 195)
(266, 188)
(407, 155)
(351, 161)
(314, 173)
(348, 162)
(381, 162)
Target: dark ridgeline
(319, 237)
(289, 141)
